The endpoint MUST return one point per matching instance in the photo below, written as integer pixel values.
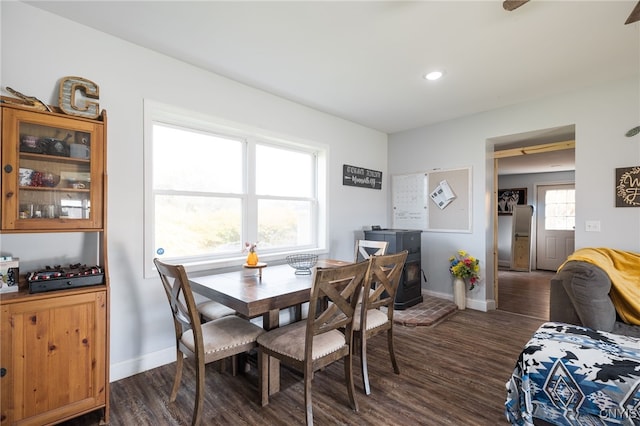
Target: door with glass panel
(556, 224)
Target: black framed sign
(508, 198)
(359, 176)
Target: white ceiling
(364, 60)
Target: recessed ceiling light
(433, 75)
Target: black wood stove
(410, 288)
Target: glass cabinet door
(55, 171)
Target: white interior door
(521, 235)
(555, 225)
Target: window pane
(196, 226)
(282, 172)
(210, 186)
(189, 160)
(284, 223)
(560, 209)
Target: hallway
(525, 293)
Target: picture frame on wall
(510, 197)
(628, 187)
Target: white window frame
(566, 228)
(155, 112)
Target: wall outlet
(592, 226)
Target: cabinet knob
(8, 168)
(9, 194)
(3, 372)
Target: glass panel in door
(54, 173)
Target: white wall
(39, 48)
(601, 116)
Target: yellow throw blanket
(623, 268)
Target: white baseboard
(478, 305)
(146, 362)
(504, 263)
(162, 357)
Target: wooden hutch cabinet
(54, 343)
(53, 171)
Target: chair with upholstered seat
(324, 337)
(212, 310)
(205, 343)
(382, 282)
(367, 248)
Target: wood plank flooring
(525, 293)
(453, 373)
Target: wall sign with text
(628, 187)
(359, 176)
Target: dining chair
(212, 310)
(204, 343)
(368, 248)
(382, 282)
(324, 337)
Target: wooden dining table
(252, 295)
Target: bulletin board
(416, 206)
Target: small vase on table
(252, 258)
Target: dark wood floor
(453, 373)
(525, 293)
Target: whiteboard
(409, 201)
(413, 208)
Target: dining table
(252, 294)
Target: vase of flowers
(463, 267)
(252, 257)
(459, 293)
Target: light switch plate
(592, 226)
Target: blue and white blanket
(571, 375)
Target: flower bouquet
(462, 265)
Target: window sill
(220, 266)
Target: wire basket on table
(302, 263)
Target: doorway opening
(524, 163)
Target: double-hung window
(211, 187)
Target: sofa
(580, 295)
(583, 367)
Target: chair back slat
(367, 248)
(178, 304)
(384, 276)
